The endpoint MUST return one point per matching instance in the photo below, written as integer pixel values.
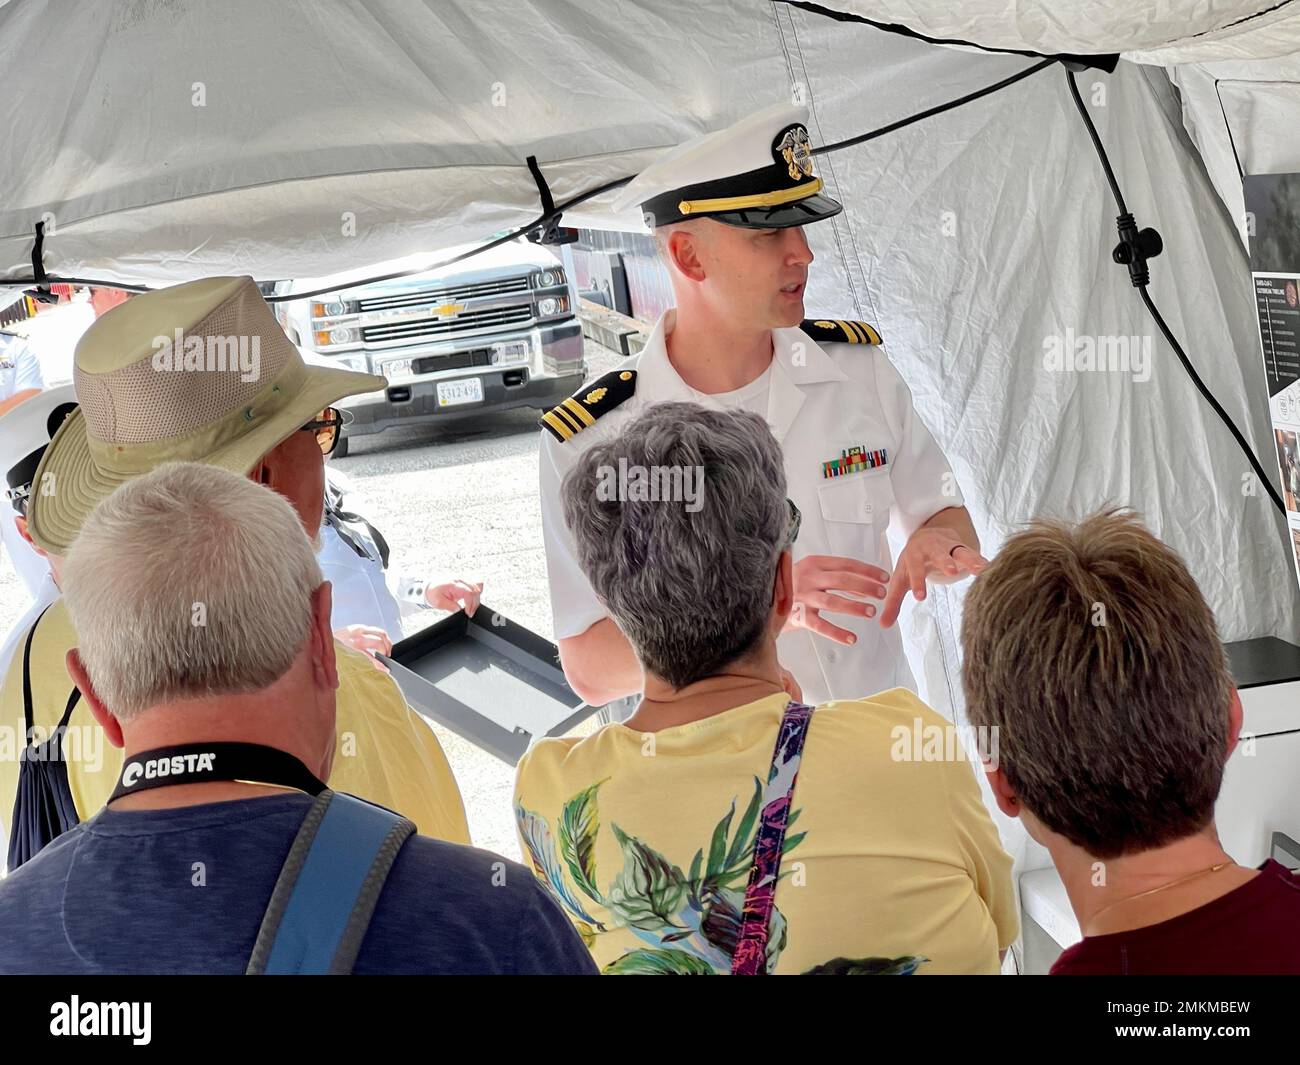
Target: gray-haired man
(205, 651)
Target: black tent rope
(939, 109)
(1102, 60)
(1134, 248)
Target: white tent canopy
(163, 140)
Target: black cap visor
(799, 213)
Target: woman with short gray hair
(725, 826)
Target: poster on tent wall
(1273, 203)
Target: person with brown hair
(1093, 654)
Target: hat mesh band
(139, 404)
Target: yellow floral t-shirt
(891, 862)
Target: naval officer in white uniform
(727, 211)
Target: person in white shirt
(369, 602)
(20, 371)
(727, 210)
(25, 431)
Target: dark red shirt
(1254, 929)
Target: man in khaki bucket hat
(203, 372)
(199, 372)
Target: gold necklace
(1152, 891)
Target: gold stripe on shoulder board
(555, 423)
(568, 417)
(575, 408)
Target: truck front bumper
(415, 401)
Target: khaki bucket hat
(199, 372)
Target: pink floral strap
(750, 957)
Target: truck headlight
(549, 278)
(326, 338)
(550, 306)
(330, 308)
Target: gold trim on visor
(759, 199)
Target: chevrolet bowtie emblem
(594, 396)
(446, 310)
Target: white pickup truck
(489, 333)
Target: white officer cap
(25, 432)
(757, 173)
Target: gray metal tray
(489, 679)
(1263, 660)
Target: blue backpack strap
(328, 887)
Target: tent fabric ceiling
(1159, 32)
(969, 239)
(339, 133)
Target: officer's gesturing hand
(369, 639)
(818, 579)
(934, 553)
(455, 595)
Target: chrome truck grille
(451, 294)
(465, 322)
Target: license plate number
(452, 393)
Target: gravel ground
(453, 502)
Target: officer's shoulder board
(839, 331)
(588, 403)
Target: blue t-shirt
(184, 891)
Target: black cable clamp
(41, 293)
(549, 230)
(1135, 247)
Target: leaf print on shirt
(904, 966)
(578, 829)
(658, 963)
(546, 866)
(648, 891)
(689, 921)
(676, 915)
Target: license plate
(451, 393)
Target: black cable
(937, 110)
(515, 234)
(1151, 307)
(1102, 61)
(554, 214)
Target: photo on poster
(1273, 204)
(1273, 211)
(1288, 460)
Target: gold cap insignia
(796, 150)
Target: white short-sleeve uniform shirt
(19, 367)
(823, 401)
